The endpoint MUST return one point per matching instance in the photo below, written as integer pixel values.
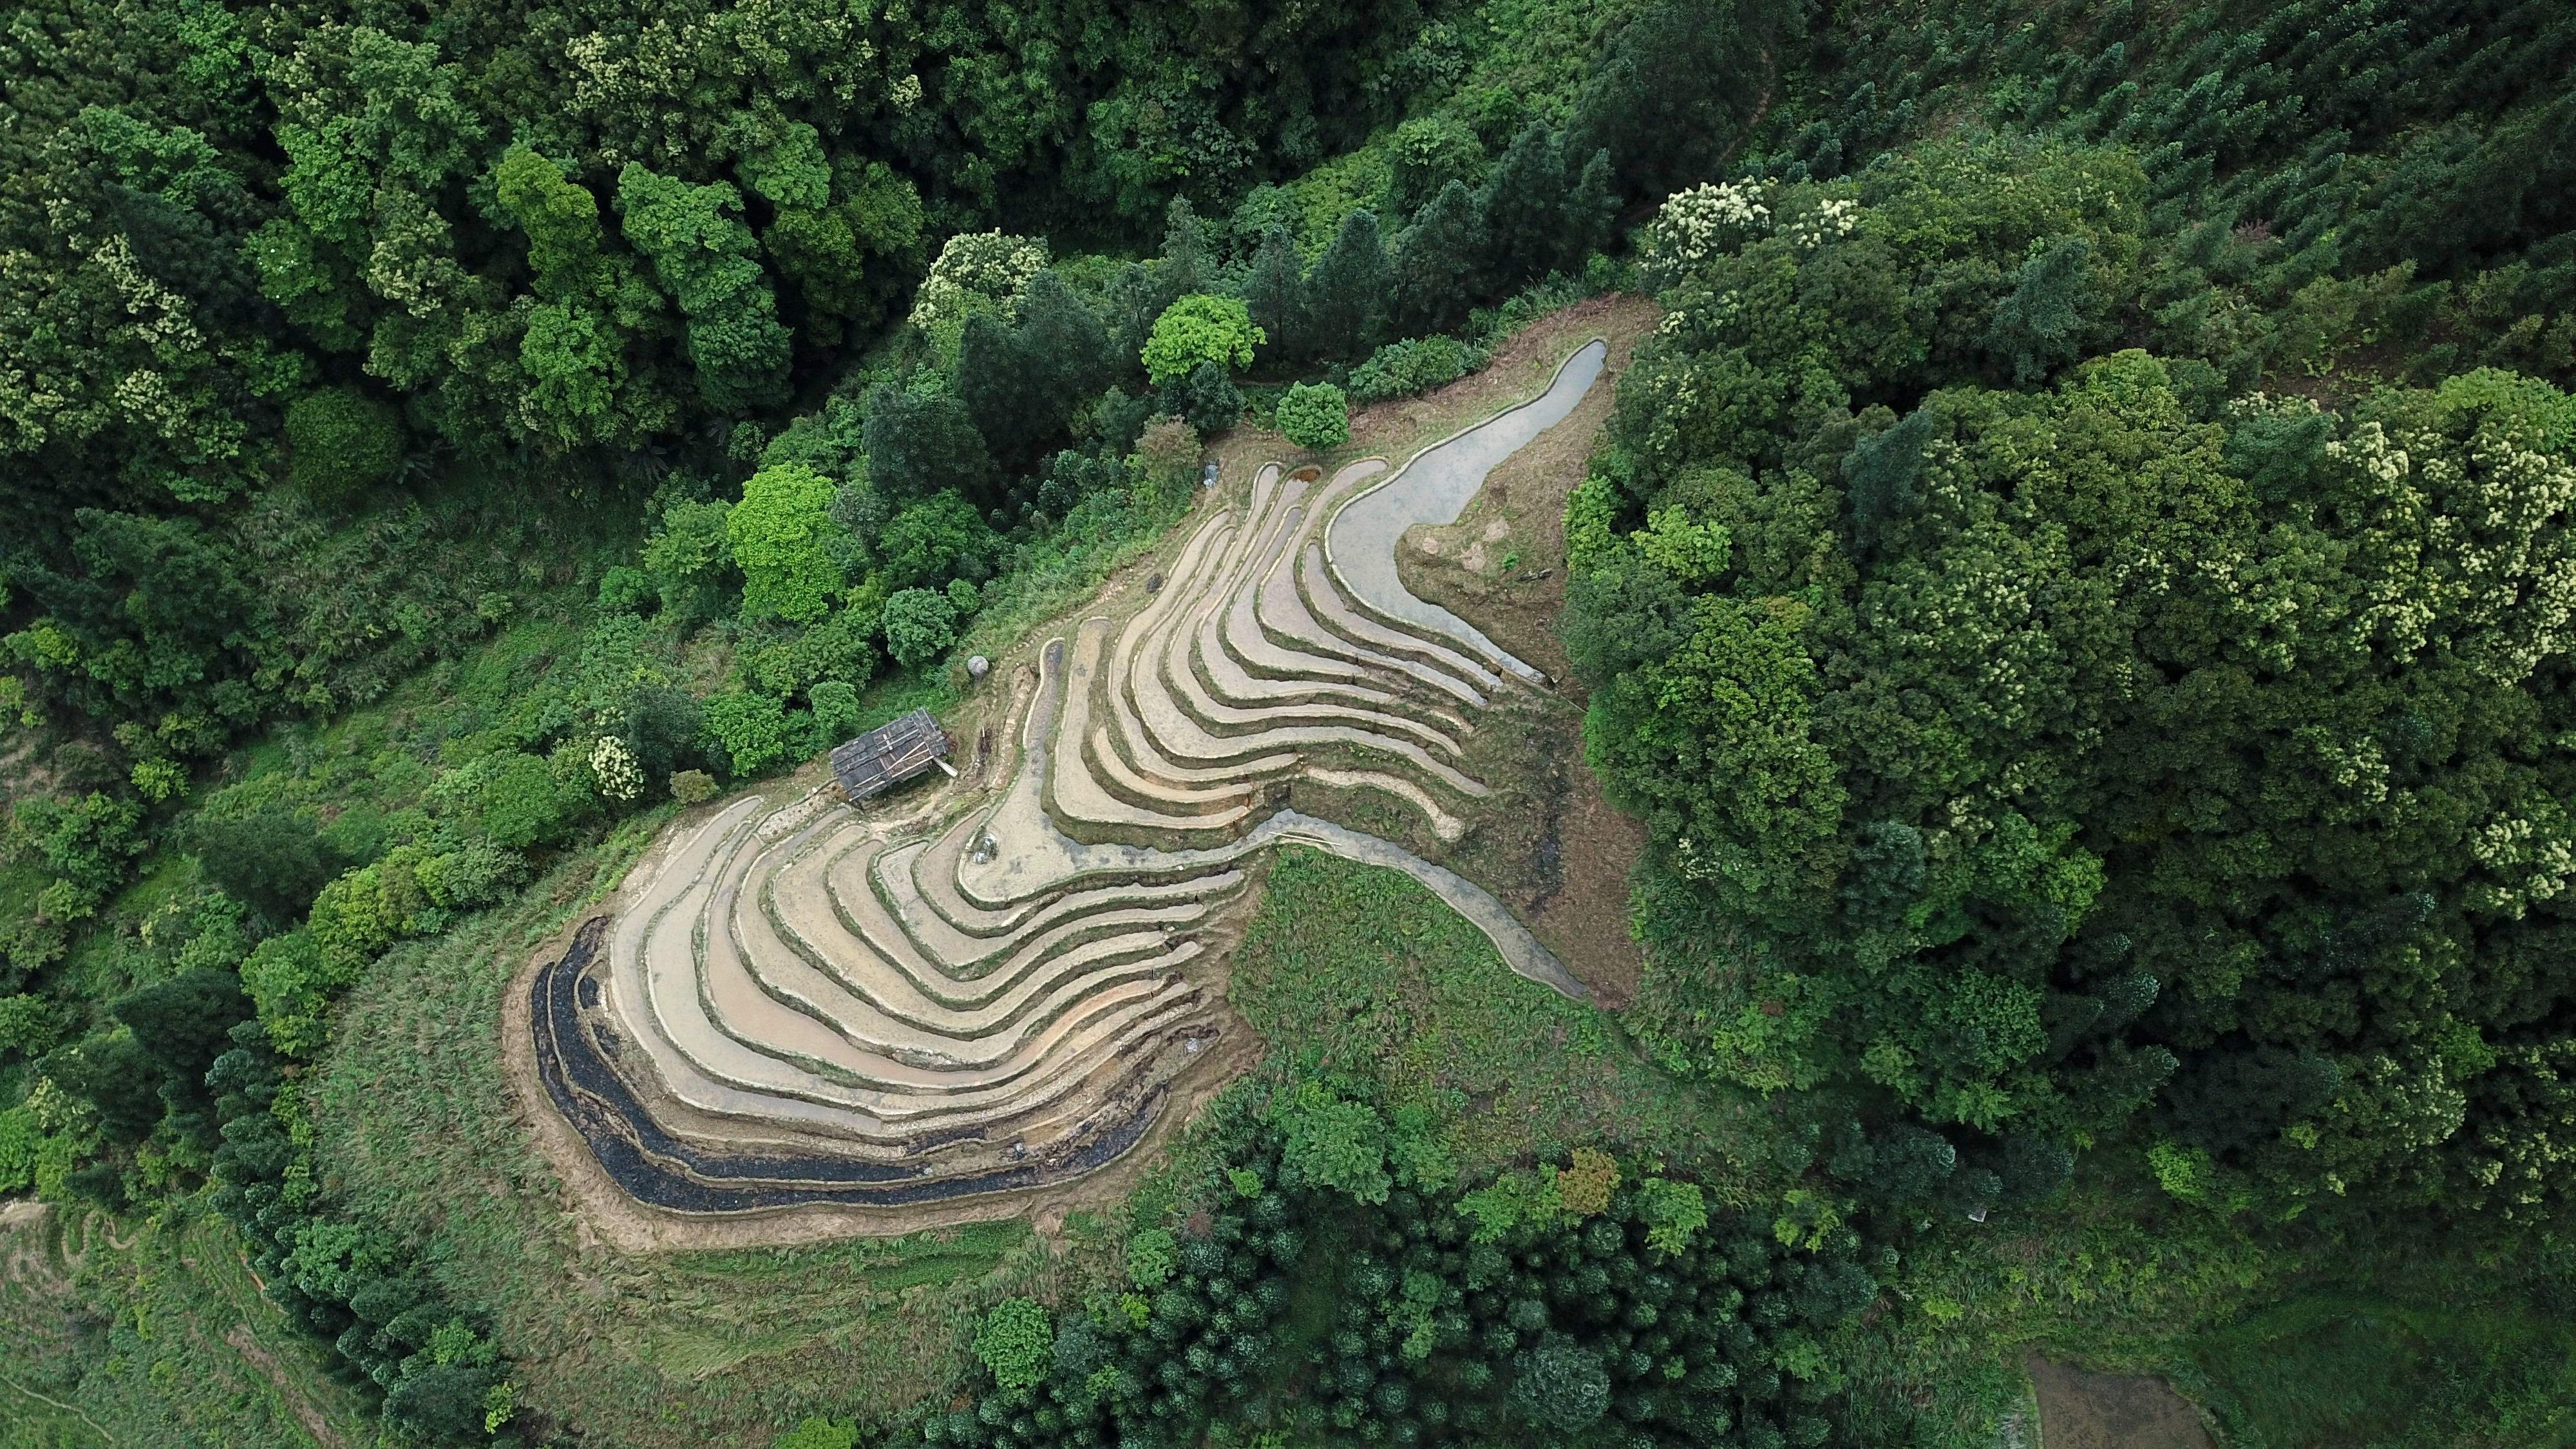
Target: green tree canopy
(781, 536)
(340, 443)
(1200, 329)
(706, 259)
(920, 624)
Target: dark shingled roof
(890, 755)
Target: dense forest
(2078, 586)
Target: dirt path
(72, 1409)
(2079, 1409)
(247, 1344)
(1502, 566)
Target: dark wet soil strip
(664, 1171)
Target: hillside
(1666, 722)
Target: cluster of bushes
(1329, 1278)
(1411, 366)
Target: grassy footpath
(160, 1338)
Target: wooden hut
(889, 755)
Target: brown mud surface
(605, 1213)
(1572, 891)
(2079, 1409)
(1501, 566)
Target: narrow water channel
(1434, 489)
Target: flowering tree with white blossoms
(1704, 221)
(613, 765)
(976, 272)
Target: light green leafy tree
(781, 535)
(920, 624)
(1017, 1342)
(707, 261)
(1200, 328)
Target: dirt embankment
(1501, 566)
(2079, 1409)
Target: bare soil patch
(1501, 566)
(2079, 1409)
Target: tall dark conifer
(1437, 261)
(922, 440)
(1345, 293)
(1276, 295)
(1062, 336)
(1003, 387)
(1592, 211)
(1523, 206)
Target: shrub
(1586, 1185)
(613, 765)
(475, 874)
(1198, 329)
(939, 538)
(843, 647)
(271, 858)
(919, 626)
(28, 1026)
(1332, 1143)
(1207, 398)
(1316, 416)
(751, 729)
(1559, 1386)
(1017, 1343)
(663, 722)
(818, 1433)
(691, 560)
(1151, 1255)
(86, 841)
(1417, 365)
(440, 1402)
(1167, 456)
(627, 590)
(836, 708)
(1672, 1212)
(691, 787)
(358, 916)
(291, 978)
(1071, 477)
(975, 272)
(339, 442)
(521, 804)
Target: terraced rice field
(1000, 991)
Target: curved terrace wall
(800, 1007)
